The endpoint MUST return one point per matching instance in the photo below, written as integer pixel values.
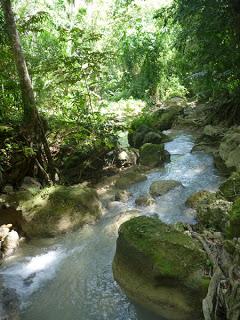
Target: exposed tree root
(223, 297)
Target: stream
(70, 277)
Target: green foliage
(208, 47)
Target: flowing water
(70, 278)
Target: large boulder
(230, 189)
(229, 149)
(196, 198)
(159, 188)
(58, 209)
(129, 177)
(167, 116)
(153, 155)
(136, 136)
(145, 134)
(161, 268)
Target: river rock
(129, 177)
(122, 195)
(144, 200)
(230, 189)
(153, 155)
(10, 244)
(59, 209)
(155, 138)
(195, 198)
(136, 136)
(165, 117)
(4, 230)
(161, 268)
(229, 149)
(212, 211)
(159, 188)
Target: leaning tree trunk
(33, 123)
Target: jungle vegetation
(67, 66)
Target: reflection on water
(70, 278)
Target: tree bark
(30, 111)
(33, 123)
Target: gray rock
(11, 242)
(144, 200)
(122, 195)
(159, 188)
(4, 230)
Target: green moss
(230, 189)
(172, 253)
(129, 178)
(58, 209)
(153, 154)
(233, 229)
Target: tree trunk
(30, 111)
(33, 124)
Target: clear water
(70, 278)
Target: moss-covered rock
(165, 117)
(229, 149)
(129, 177)
(136, 136)
(230, 189)
(212, 210)
(195, 198)
(145, 134)
(160, 268)
(153, 155)
(155, 138)
(233, 229)
(57, 209)
(159, 188)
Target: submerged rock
(159, 188)
(161, 268)
(153, 155)
(144, 200)
(9, 304)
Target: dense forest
(80, 78)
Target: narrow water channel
(70, 278)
